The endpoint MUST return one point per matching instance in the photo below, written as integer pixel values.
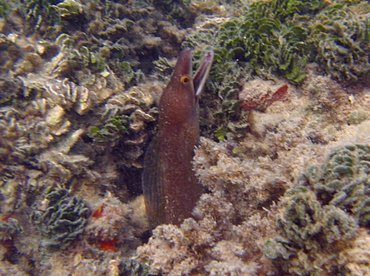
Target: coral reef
(274, 37)
(178, 11)
(232, 230)
(40, 12)
(79, 82)
(61, 218)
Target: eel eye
(185, 79)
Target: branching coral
(233, 177)
(180, 260)
(208, 244)
(226, 230)
(61, 218)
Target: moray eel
(170, 187)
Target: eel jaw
(201, 75)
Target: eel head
(180, 98)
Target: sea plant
(341, 40)
(40, 12)
(344, 181)
(258, 42)
(68, 8)
(178, 10)
(62, 220)
(265, 44)
(4, 8)
(131, 267)
(327, 206)
(112, 130)
(267, 39)
(308, 230)
(9, 228)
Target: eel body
(170, 187)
